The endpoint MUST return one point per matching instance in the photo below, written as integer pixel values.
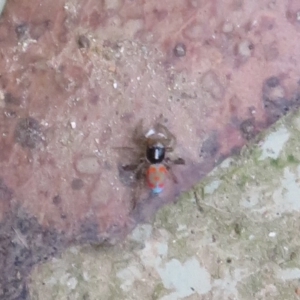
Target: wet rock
(210, 146)
(56, 200)
(247, 128)
(89, 232)
(28, 133)
(9, 99)
(23, 242)
(24, 225)
(180, 50)
(272, 82)
(296, 99)
(21, 30)
(77, 184)
(6, 193)
(275, 102)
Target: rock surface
(76, 78)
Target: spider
(153, 164)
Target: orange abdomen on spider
(156, 177)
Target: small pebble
(83, 42)
(73, 125)
(180, 50)
(244, 48)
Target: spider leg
(169, 149)
(140, 169)
(176, 161)
(139, 186)
(173, 176)
(124, 148)
(169, 162)
(138, 136)
(170, 139)
(136, 167)
(130, 167)
(134, 151)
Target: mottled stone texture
(77, 76)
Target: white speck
(272, 234)
(73, 125)
(150, 132)
(274, 143)
(251, 237)
(72, 283)
(298, 16)
(115, 84)
(138, 78)
(97, 141)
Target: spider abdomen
(156, 177)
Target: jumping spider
(151, 149)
